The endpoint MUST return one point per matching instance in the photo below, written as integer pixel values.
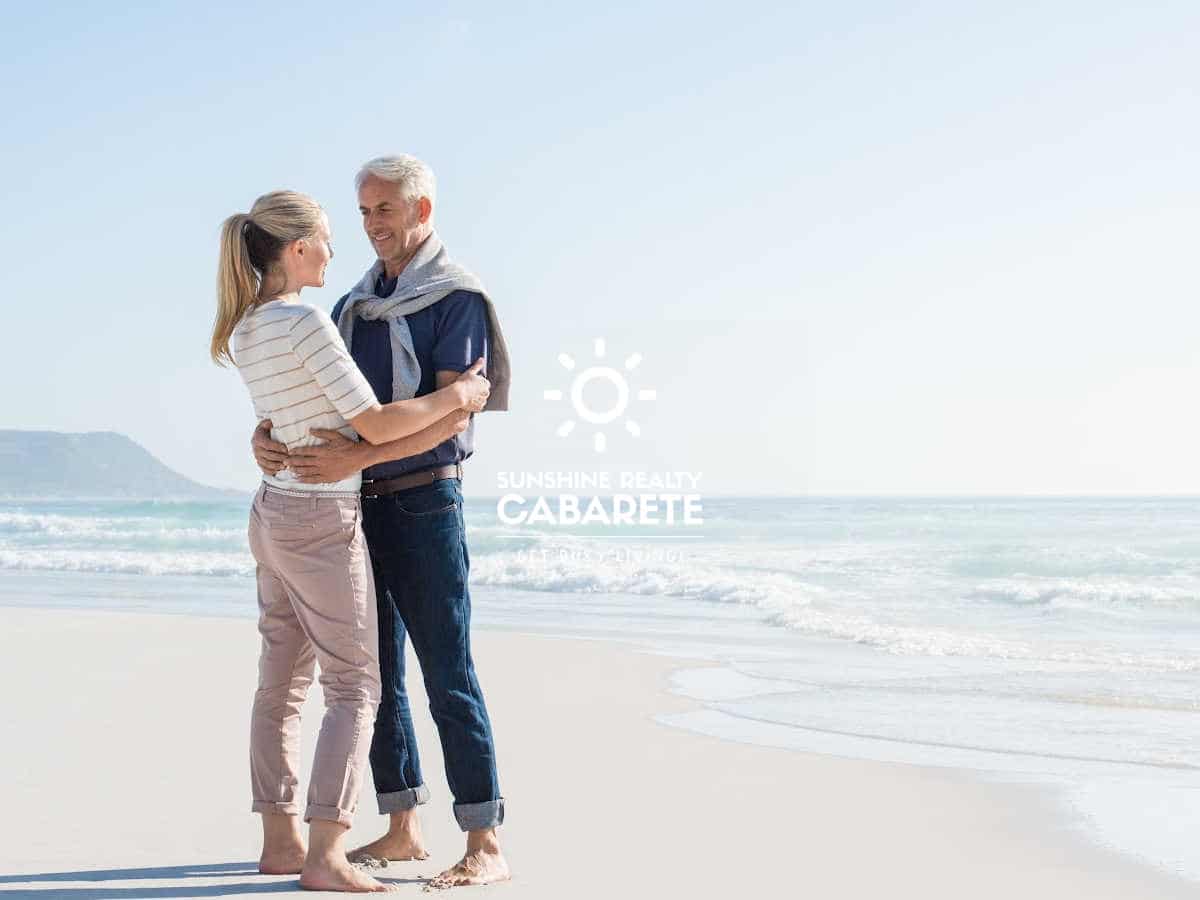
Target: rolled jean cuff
(329, 814)
(477, 816)
(277, 808)
(399, 801)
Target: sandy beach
(124, 761)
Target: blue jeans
(419, 555)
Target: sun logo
(600, 373)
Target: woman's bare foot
(283, 845)
(284, 862)
(326, 867)
(403, 841)
(337, 874)
(482, 864)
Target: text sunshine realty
(629, 498)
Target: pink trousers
(316, 603)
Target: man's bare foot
(403, 841)
(482, 866)
(282, 861)
(390, 847)
(337, 874)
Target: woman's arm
(392, 421)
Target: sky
(867, 248)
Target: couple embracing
(357, 528)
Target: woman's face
(317, 252)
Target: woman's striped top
(300, 376)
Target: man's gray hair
(414, 177)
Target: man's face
(393, 224)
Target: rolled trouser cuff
(329, 814)
(399, 801)
(278, 808)
(477, 816)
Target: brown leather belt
(380, 486)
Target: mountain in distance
(95, 465)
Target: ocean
(1054, 641)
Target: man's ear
(424, 209)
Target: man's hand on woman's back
(336, 458)
(270, 455)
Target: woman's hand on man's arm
(383, 424)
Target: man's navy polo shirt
(448, 336)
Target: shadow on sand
(30, 883)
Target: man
(413, 324)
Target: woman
(315, 591)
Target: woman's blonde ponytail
(237, 285)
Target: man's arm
(339, 457)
